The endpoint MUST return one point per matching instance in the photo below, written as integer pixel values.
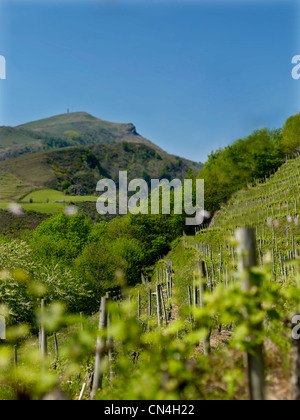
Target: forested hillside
(77, 170)
(247, 160)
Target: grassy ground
(46, 201)
(52, 196)
(48, 208)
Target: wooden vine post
(255, 360)
(202, 279)
(163, 305)
(15, 356)
(100, 350)
(110, 342)
(150, 303)
(295, 393)
(43, 335)
(139, 306)
(190, 303)
(158, 302)
(81, 321)
(56, 349)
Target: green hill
(271, 208)
(73, 129)
(92, 130)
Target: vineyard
(212, 320)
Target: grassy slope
(32, 169)
(78, 121)
(11, 186)
(271, 209)
(93, 130)
(11, 137)
(101, 132)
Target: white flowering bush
(63, 285)
(16, 255)
(23, 283)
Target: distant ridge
(67, 130)
(91, 129)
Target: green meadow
(48, 208)
(52, 196)
(47, 201)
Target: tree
(291, 135)
(61, 238)
(101, 266)
(230, 169)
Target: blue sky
(193, 76)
